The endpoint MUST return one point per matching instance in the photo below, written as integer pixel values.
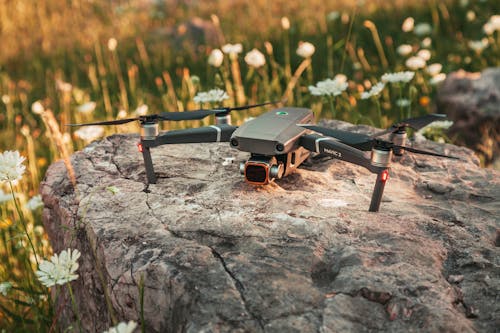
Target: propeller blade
(107, 122)
(420, 122)
(415, 123)
(187, 115)
(424, 152)
(200, 114)
(244, 107)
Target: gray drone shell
(273, 133)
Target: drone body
(279, 141)
(272, 140)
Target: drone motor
(381, 157)
(223, 119)
(149, 131)
(398, 138)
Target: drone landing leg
(378, 190)
(148, 163)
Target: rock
(300, 255)
(472, 101)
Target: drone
(280, 140)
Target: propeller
(415, 123)
(366, 143)
(381, 144)
(176, 116)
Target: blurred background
(70, 61)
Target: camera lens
(234, 142)
(256, 174)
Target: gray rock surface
(300, 255)
(472, 101)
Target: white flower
(37, 107)
(374, 91)
(434, 69)
(232, 48)
(408, 24)
(141, 110)
(404, 49)
(216, 58)
(328, 87)
(333, 16)
(255, 58)
(4, 197)
(63, 86)
(340, 78)
(5, 287)
(60, 269)
(478, 45)
(424, 54)
(488, 28)
(34, 203)
(495, 22)
(90, 133)
(112, 44)
(426, 42)
(470, 16)
(403, 102)
(422, 29)
(415, 63)
(123, 327)
(285, 23)
(212, 96)
(305, 49)
(11, 166)
(406, 76)
(5, 99)
(437, 78)
(86, 107)
(122, 114)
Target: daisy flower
(60, 269)
(11, 166)
(404, 77)
(328, 87)
(123, 327)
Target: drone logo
(282, 113)
(335, 153)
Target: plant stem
(332, 107)
(75, 308)
(23, 222)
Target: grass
(61, 54)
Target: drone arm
(356, 140)
(336, 149)
(346, 153)
(214, 133)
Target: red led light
(384, 175)
(139, 146)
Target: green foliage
(126, 58)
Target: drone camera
(149, 131)
(261, 170)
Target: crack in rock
(240, 287)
